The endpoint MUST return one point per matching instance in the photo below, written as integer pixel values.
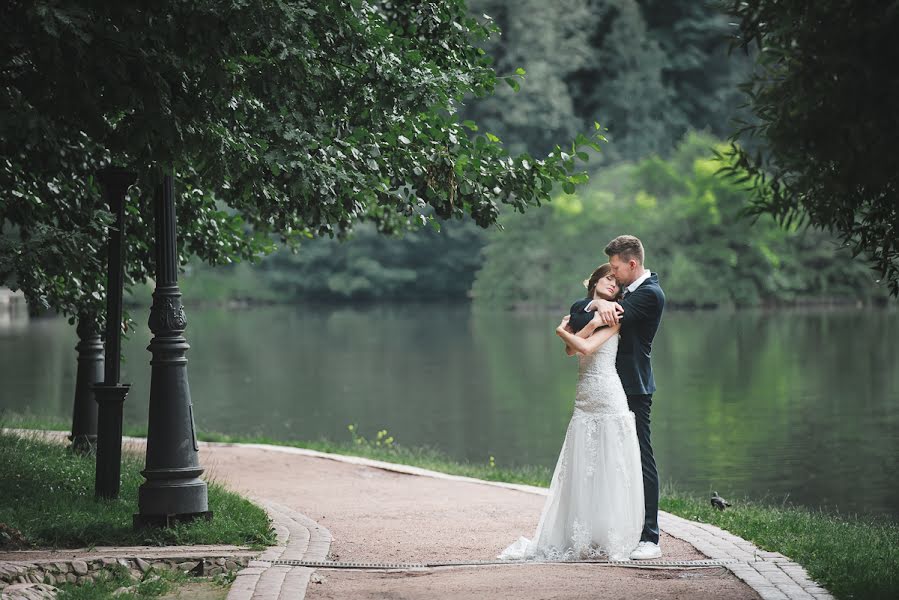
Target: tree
(426, 264)
(696, 237)
(298, 118)
(648, 70)
(824, 100)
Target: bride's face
(606, 288)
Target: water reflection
(792, 404)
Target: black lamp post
(110, 394)
(90, 371)
(173, 490)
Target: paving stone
(794, 592)
(815, 589)
(771, 593)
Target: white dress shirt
(638, 281)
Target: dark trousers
(640, 406)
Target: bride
(595, 504)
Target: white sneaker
(646, 551)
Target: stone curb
(771, 574)
(299, 538)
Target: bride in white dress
(595, 504)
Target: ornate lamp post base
(173, 490)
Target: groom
(640, 312)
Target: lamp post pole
(110, 394)
(173, 490)
(90, 371)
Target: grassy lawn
(853, 557)
(48, 495)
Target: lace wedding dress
(595, 504)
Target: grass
(48, 496)
(153, 584)
(852, 556)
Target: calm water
(797, 405)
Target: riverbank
(854, 557)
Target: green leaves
(831, 162)
(295, 119)
(690, 219)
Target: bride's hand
(564, 324)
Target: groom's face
(625, 271)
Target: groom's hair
(627, 247)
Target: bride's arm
(583, 333)
(589, 345)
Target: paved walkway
(335, 508)
(359, 510)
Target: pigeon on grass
(719, 502)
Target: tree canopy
(297, 118)
(824, 101)
(648, 70)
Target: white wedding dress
(595, 504)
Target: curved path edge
(299, 538)
(771, 574)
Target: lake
(789, 405)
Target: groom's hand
(608, 312)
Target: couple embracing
(603, 501)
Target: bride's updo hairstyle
(600, 272)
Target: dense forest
(647, 70)
(659, 77)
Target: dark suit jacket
(642, 314)
(580, 317)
